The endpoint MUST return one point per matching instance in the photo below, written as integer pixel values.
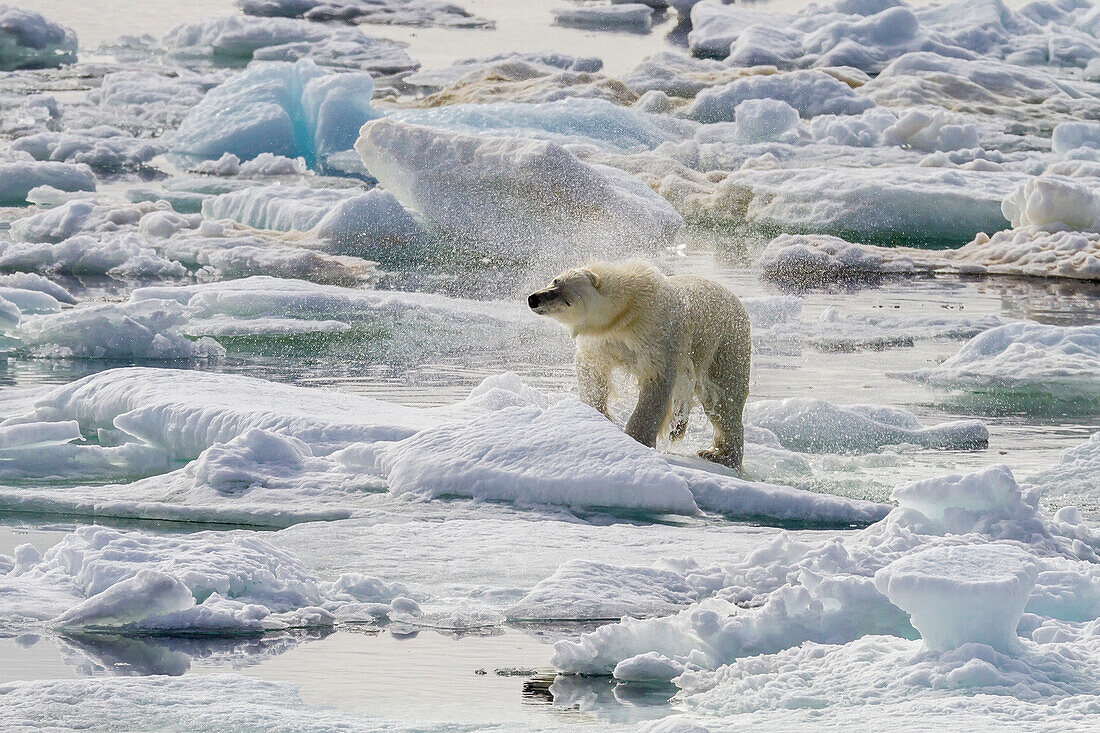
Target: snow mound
(585, 590)
(29, 41)
(346, 221)
(972, 594)
(1023, 358)
(811, 425)
(283, 39)
(18, 177)
(811, 92)
(103, 148)
(1043, 201)
(99, 579)
(568, 455)
(513, 196)
(289, 109)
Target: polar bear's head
(573, 299)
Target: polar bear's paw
(730, 459)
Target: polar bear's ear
(593, 278)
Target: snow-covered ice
(1024, 359)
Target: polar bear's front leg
(654, 398)
(593, 382)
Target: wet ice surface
(407, 536)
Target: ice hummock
(972, 594)
(110, 580)
(30, 41)
(789, 592)
(515, 196)
(289, 109)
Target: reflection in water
(609, 700)
(92, 654)
(503, 675)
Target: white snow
(514, 196)
(569, 454)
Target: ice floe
(29, 41)
(619, 15)
(1024, 359)
(104, 579)
(103, 148)
(396, 12)
(257, 459)
(282, 39)
(289, 109)
(805, 424)
(811, 92)
(20, 175)
(514, 196)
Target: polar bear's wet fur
(682, 337)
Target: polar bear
(681, 337)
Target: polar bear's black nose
(533, 300)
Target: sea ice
(514, 196)
(436, 79)
(811, 92)
(628, 15)
(293, 110)
(395, 12)
(577, 121)
(343, 221)
(282, 39)
(29, 41)
(812, 425)
(971, 594)
(19, 176)
(1023, 359)
(104, 579)
(145, 330)
(103, 148)
(788, 592)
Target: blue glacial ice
(289, 109)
